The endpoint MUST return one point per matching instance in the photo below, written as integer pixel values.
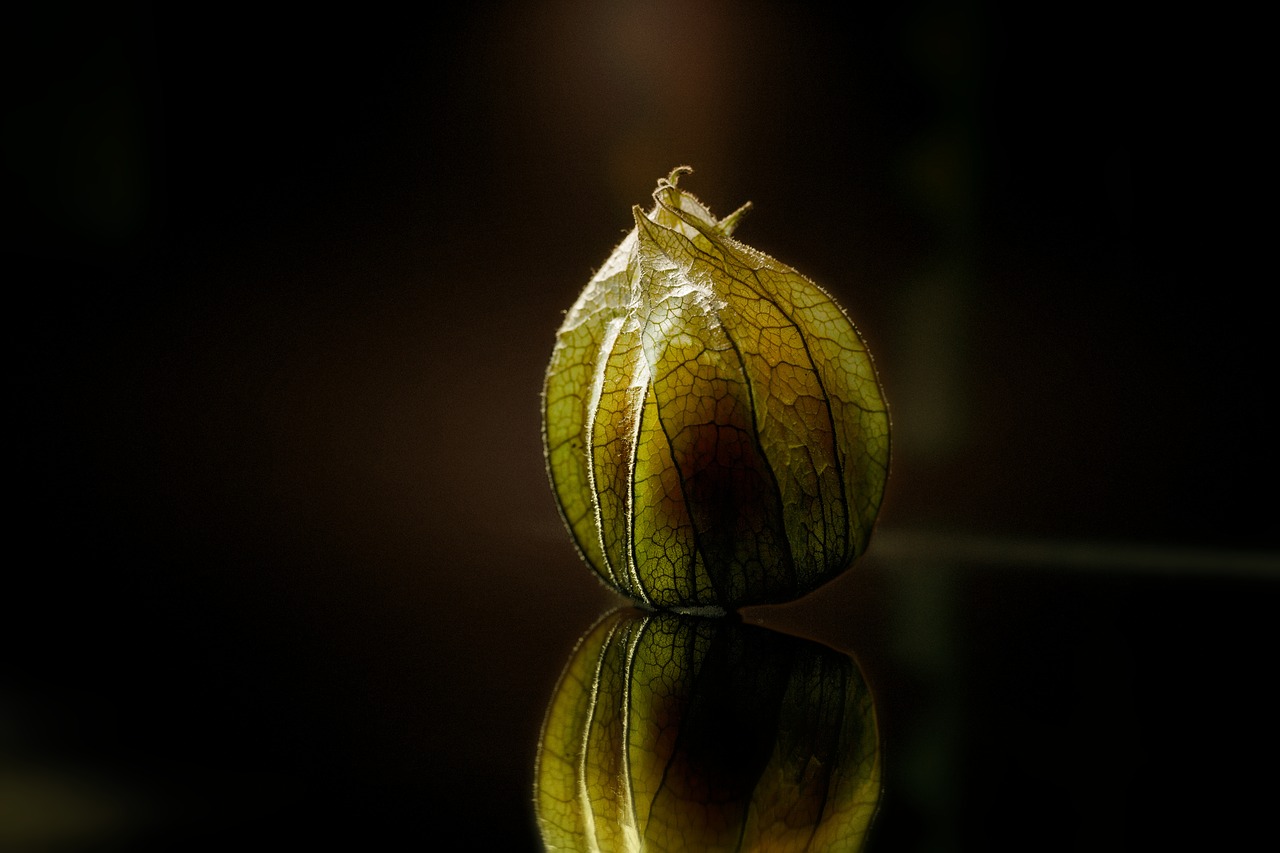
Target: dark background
(285, 565)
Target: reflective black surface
(312, 700)
(286, 568)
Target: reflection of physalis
(671, 732)
(715, 431)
